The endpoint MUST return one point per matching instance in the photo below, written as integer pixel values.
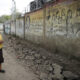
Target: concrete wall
(20, 27)
(7, 28)
(34, 26)
(1, 27)
(13, 27)
(63, 19)
(55, 25)
(55, 19)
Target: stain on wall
(7, 28)
(63, 19)
(59, 19)
(34, 25)
(20, 27)
(13, 29)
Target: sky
(6, 5)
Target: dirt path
(14, 71)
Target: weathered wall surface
(56, 26)
(62, 27)
(1, 26)
(7, 28)
(13, 29)
(63, 19)
(59, 19)
(20, 27)
(34, 26)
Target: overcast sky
(6, 5)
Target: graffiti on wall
(60, 19)
(34, 23)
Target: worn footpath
(14, 71)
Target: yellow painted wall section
(61, 19)
(34, 25)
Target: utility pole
(13, 10)
(14, 14)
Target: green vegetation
(4, 18)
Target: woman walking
(1, 54)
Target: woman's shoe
(2, 71)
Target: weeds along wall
(56, 25)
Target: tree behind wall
(4, 18)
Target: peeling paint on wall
(13, 27)
(20, 27)
(55, 19)
(61, 19)
(34, 25)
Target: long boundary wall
(54, 19)
(58, 19)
